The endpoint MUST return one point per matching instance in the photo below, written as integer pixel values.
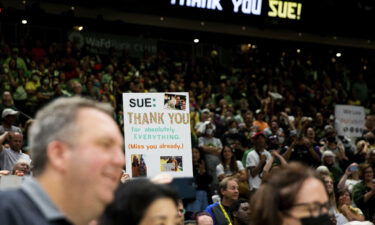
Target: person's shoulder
(16, 129)
(209, 207)
(252, 153)
(360, 184)
(239, 163)
(17, 208)
(10, 197)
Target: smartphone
(353, 168)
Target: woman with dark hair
(293, 195)
(364, 192)
(140, 202)
(230, 167)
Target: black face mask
(319, 220)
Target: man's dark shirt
(29, 205)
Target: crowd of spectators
(265, 109)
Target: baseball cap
(9, 112)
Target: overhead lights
(78, 28)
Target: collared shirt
(35, 192)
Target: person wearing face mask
(293, 195)
(211, 147)
(234, 138)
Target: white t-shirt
(220, 169)
(202, 141)
(349, 183)
(253, 160)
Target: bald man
(10, 156)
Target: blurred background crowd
(254, 107)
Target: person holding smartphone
(350, 178)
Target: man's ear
(58, 154)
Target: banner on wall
(99, 43)
(157, 134)
(350, 120)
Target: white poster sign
(157, 134)
(350, 120)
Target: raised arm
(3, 137)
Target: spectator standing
(10, 155)
(303, 151)
(9, 117)
(259, 120)
(212, 148)
(256, 160)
